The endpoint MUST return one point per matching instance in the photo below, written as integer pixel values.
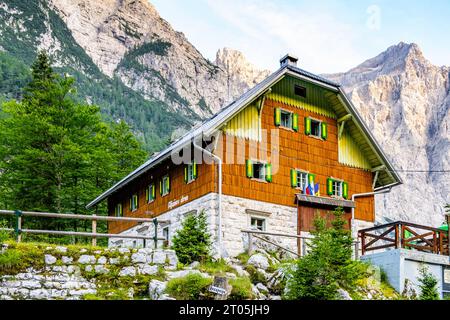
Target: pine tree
(328, 264)
(192, 242)
(57, 154)
(428, 285)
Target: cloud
(322, 41)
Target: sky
(326, 35)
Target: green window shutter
(307, 126)
(120, 209)
(295, 122)
(153, 191)
(294, 178)
(131, 203)
(136, 201)
(168, 184)
(330, 186)
(186, 167)
(324, 130)
(311, 178)
(345, 190)
(249, 168)
(147, 194)
(277, 116)
(194, 170)
(160, 187)
(269, 172)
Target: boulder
(66, 260)
(87, 259)
(149, 270)
(159, 257)
(183, 273)
(127, 271)
(139, 257)
(259, 261)
(240, 271)
(156, 289)
(194, 265)
(49, 259)
(262, 288)
(61, 249)
(102, 260)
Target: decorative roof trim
(304, 198)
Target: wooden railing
(20, 215)
(404, 235)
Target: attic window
(300, 91)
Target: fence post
(94, 230)
(250, 243)
(18, 228)
(155, 238)
(363, 243)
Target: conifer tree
(428, 285)
(57, 154)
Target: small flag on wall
(316, 189)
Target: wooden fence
(405, 235)
(20, 215)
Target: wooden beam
(379, 168)
(375, 179)
(341, 128)
(345, 118)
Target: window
(190, 172)
(258, 223)
(300, 91)
(337, 188)
(118, 210)
(165, 185)
(134, 202)
(302, 179)
(165, 232)
(315, 128)
(150, 193)
(259, 171)
(286, 119)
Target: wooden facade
(295, 150)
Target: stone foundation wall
(65, 274)
(278, 218)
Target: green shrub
(428, 285)
(218, 267)
(4, 235)
(19, 257)
(243, 258)
(189, 287)
(328, 265)
(242, 289)
(192, 242)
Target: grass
(242, 289)
(189, 287)
(243, 258)
(218, 267)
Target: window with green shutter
(118, 210)
(316, 128)
(134, 202)
(164, 185)
(150, 192)
(337, 188)
(258, 170)
(190, 172)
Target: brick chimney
(288, 60)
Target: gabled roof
(215, 122)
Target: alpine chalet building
(289, 149)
